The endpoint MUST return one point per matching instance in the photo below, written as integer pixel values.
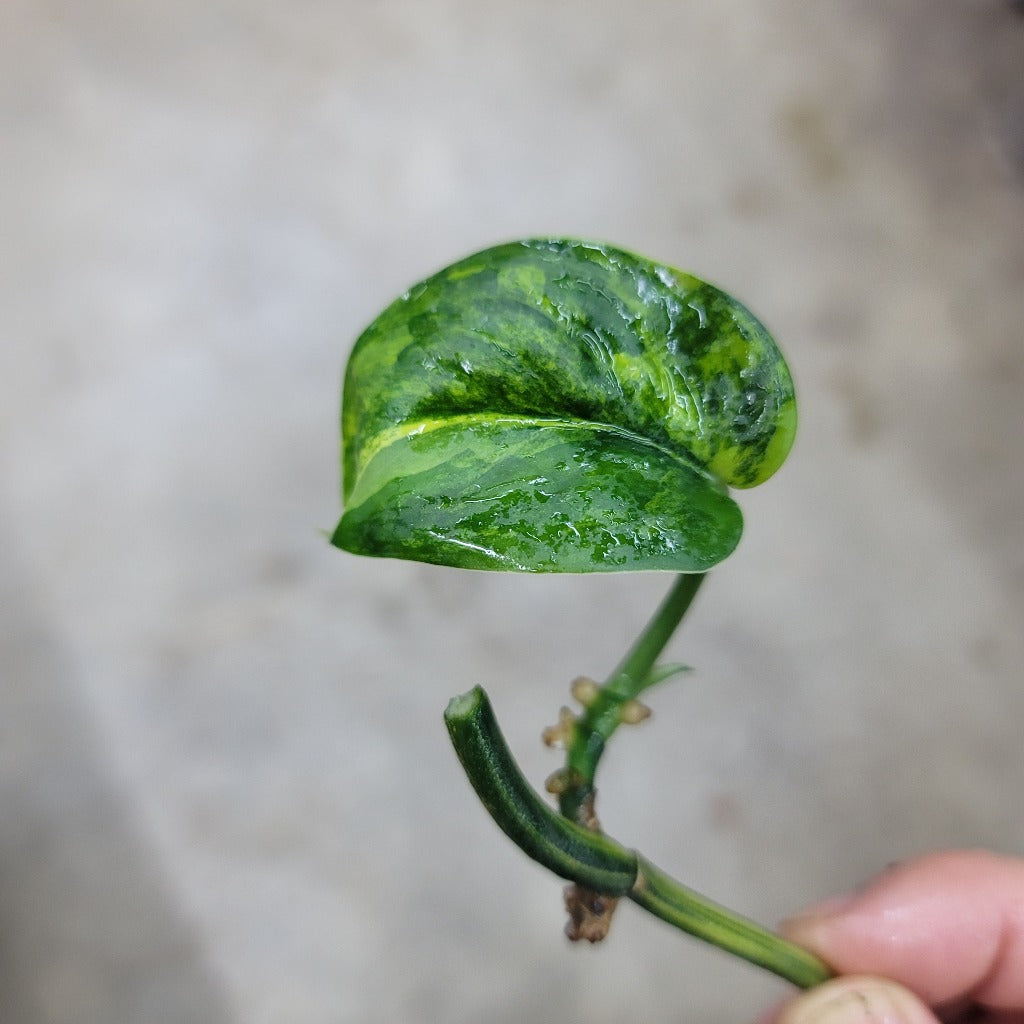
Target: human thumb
(856, 1000)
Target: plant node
(561, 734)
(585, 690)
(633, 712)
(590, 913)
(587, 814)
(561, 781)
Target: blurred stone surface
(225, 789)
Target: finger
(854, 1000)
(950, 926)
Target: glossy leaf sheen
(559, 406)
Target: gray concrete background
(225, 791)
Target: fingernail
(858, 1001)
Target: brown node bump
(560, 735)
(590, 913)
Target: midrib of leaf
(466, 421)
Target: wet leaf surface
(559, 406)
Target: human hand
(940, 938)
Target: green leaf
(559, 406)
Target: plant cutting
(554, 405)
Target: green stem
(689, 911)
(597, 862)
(562, 846)
(603, 716)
